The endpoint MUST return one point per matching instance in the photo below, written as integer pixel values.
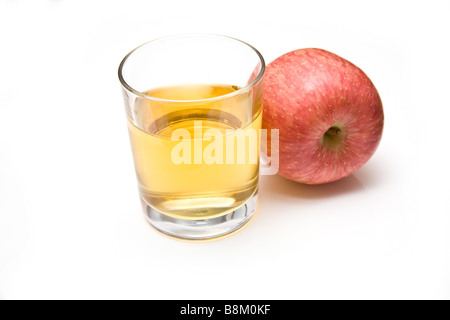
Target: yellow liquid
(196, 188)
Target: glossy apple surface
(328, 112)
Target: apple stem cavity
(333, 137)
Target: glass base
(201, 229)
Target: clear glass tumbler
(194, 109)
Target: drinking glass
(194, 108)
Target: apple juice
(196, 149)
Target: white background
(70, 219)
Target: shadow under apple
(277, 185)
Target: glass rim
(138, 93)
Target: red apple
(328, 112)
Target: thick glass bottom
(204, 228)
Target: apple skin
(328, 112)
